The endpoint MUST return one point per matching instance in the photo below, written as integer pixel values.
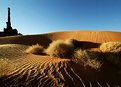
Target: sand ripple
(43, 71)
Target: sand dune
(45, 39)
(18, 69)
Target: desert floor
(19, 69)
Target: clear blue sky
(42, 16)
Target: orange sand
(19, 69)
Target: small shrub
(111, 47)
(88, 58)
(35, 49)
(80, 54)
(60, 48)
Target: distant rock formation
(8, 31)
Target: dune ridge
(44, 39)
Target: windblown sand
(18, 69)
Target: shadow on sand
(86, 44)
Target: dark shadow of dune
(30, 40)
(86, 44)
(27, 40)
(113, 59)
(106, 75)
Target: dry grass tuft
(35, 49)
(111, 47)
(69, 41)
(112, 51)
(60, 49)
(73, 42)
(88, 58)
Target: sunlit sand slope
(45, 39)
(18, 69)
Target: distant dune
(91, 36)
(19, 69)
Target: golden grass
(35, 49)
(88, 58)
(70, 41)
(111, 47)
(73, 42)
(60, 49)
(112, 51)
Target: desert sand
(19, 69)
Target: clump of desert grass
(35, 49)
(111, 47)
(112, 51)
(88, 58)
(60, 49)
(69, 41)
(73, 42)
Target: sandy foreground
(18, 69)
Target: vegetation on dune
(88, 58)
(81, 63)
(66, 49)
(60, 49)
(73, 42)
(112, 52)
(111, 47)
(35, 49)
(69, 41)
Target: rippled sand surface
(18, 69)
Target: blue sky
(43, 16)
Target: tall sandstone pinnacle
(9, 30)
